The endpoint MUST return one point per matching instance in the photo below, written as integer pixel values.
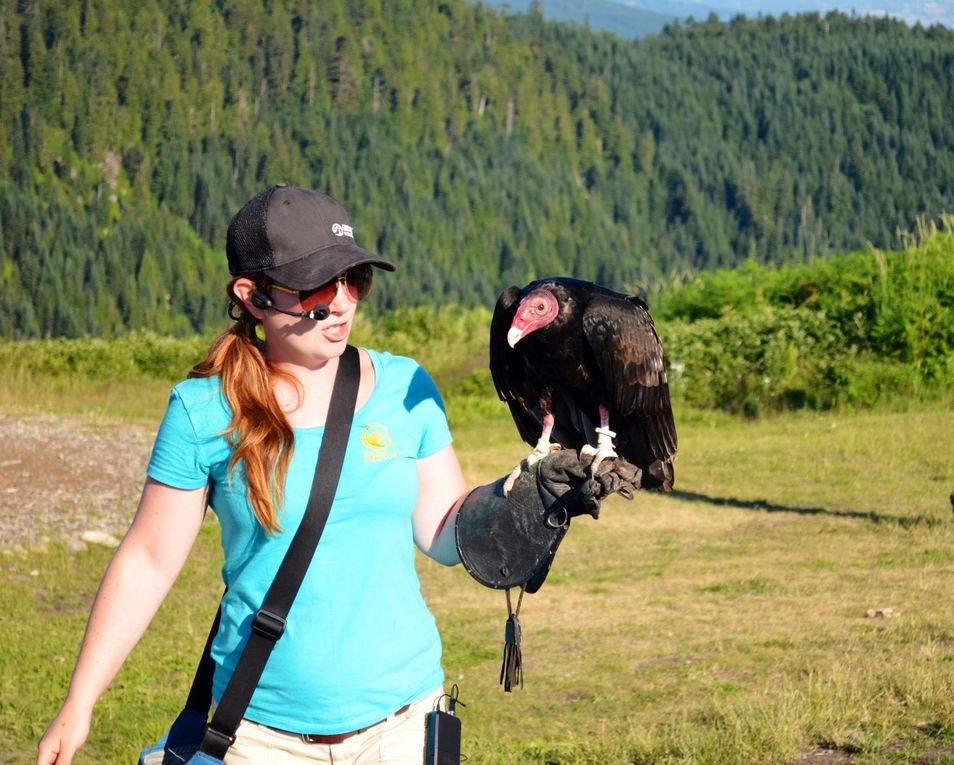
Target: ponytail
(264, 441)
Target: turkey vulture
(580, 364)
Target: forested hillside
(474, 149)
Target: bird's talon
(540, 451)
(604, 440)
(534, 457)
(603, 454)
(512, 479)
(587, 456)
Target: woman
(358, 666)
(361, 652)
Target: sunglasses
(356, 282)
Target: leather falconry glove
(509, 538)
(614, 476)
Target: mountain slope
(475, 149)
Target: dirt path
(61, 477)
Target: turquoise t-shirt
(360, 642)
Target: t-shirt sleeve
(427, 407)
(178, 458)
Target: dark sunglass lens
(359, 281)
(358, 285)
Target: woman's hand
(66, 734)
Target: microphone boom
(319, 313)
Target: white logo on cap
(340, 229)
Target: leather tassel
(511, 672)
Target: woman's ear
(243, 288)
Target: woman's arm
(137, 580)
(442, 488)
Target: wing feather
(629, 354)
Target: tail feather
(660, 476)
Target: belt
(337, 738)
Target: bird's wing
(629, 354)
(508, 370)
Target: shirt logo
(376, 441)
(340, 229)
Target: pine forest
(474, 148)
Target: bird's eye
(540, 307)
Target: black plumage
(564, 347)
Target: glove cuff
(509, 541)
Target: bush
(138, 354)
(854, 329)
(451, 343)
(745, 363)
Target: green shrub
(744, 363)
(451, 343)
(870, 380)
(138, 354)
(854, 329)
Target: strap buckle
(268, 625)
(216, 743)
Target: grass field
(725, 624)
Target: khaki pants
(396, 741)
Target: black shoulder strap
(269, 623)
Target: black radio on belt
(442, 745)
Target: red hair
(259, 431)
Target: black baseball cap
(299, 238)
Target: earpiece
(261, 300)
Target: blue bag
(181, 743)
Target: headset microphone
(319, 313)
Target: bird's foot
(540, 451)
(594, 455)
(511, 480)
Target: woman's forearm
(131, 592)
(128, 598)
(441, 488)
(140, 575)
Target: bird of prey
(582, 365)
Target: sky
(926, 12)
